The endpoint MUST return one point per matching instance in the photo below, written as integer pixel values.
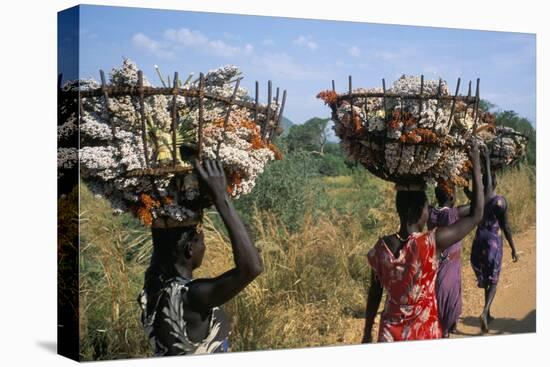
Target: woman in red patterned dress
(405, 265)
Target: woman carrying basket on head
(487, 248)
(405, 265)
(180, 314)
(448, 286)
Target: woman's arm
(446, 236)
(373, 303)
(464, 210)
(502, 216)
(487, 190)
(204, 294)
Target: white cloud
(186, 37)
(174, 39)
(306, 42)
(141, 41)
(354, 51)
(221, 48)
(195, 39)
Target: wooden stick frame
(191, 92)
(350, 96)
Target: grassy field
(314, 282)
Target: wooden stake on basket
(228, 112)
(439, 87)
(268, 110)
(174, 120)
(352, 112)
(454, 102)
(201, 115)
(384, 99)
(421, 102)
(280, 117)
(104, 89)
(476, 106)
(401, 119)
(333, 86)
(142, 115)
(468, 100)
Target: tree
(485, 105)
(310, 136)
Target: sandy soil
(514, 307)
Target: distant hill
(286, 124)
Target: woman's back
(494, 207)
(408, 276)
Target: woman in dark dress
(487, 248)
(180, 314)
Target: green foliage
(486, 106)
(333, 165)
(285, 189)
(310, 136)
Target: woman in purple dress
(486, 257)
(448, 286)
(449, 275)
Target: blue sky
(303, 56)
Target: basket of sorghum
(138, 143)
(417, 131)
(506, 146)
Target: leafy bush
(285, 189)
(332, 165)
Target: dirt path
(514, 307)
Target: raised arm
(502, 217)
(373, 303)
(464, 210)
(446, 236)
(204, 294)
(488, 188)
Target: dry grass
(113, 259)
(313, 285)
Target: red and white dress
(410, 312)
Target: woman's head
(172, 246)
(179, 245)
(445, 194)
(412, 207)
